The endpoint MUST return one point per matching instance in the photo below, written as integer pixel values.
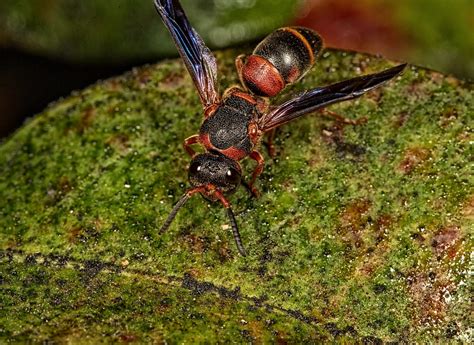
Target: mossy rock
(91, 31)
(361, 234)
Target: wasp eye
(195, 168)
(232, 176)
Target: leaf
(362, 233)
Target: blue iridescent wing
(197, 57)
(313, 100)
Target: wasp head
(212, 174)
(212, 169)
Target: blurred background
(50, 47)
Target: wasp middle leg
(269, 143)
(256, 156)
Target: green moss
(361, 232)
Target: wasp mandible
(235, 122)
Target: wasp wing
(324, 96)
(197, 57)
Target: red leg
(270, 145)
(230, 90)
(262, 105)
(339, 118)
(343, 119)
(210, 110)
(255, 155)
(239, 63)
(193, 139)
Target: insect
(235, 122)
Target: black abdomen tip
(314, 41)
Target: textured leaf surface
(361, 233)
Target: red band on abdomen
(261, 77)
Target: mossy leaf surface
(362, 232)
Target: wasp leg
(263, 104)
(269, 143)
(210, 110)
(231, 90)
(239, 63)
(257, 156)
(193, 139)
(342, 119)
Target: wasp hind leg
(325, 112)
(342, 119)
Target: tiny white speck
(126, 186)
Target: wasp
(235, 122)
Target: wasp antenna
(178, 205)
(235, 231)
(173, 213)
(233, 222)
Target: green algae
(362, 233)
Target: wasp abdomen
(280, 59)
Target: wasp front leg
(193, 139)
(256, 156)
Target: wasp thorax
(215, 169)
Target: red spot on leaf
(412, 158)
(446, 241)
(354, 218)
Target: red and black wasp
(235, 122)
